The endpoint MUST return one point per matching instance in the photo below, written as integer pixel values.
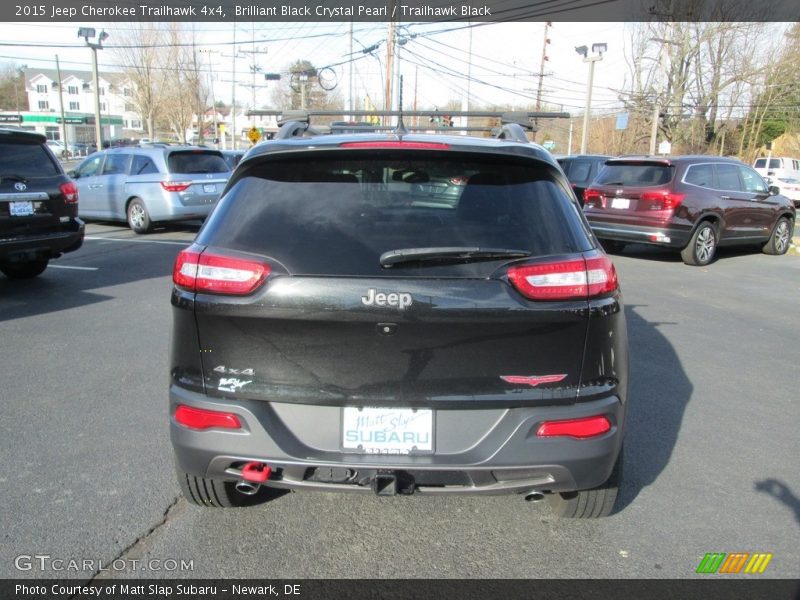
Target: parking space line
(107, 239)
(71, 267)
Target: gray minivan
(144, 186)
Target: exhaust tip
(534, 496)
(247, 488)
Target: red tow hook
(256, 472)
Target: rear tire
(780, 239)
(220, 494)
(138, 218)
(24, 270)
(702, 248)
(589, 504)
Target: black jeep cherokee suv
(38, 206)
(340, 324)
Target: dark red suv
(690, 203)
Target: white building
(118, 115)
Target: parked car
(145, 186)
(778, 166)
(333, 330)
(581, 169)
(690, 203)
(38, 206)
(788, 186)
(58, 148)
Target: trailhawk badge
(376, 298)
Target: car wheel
(702, 247)
(24, 270)
(220, 494)
(589, 504)
(780, 239)
(613, 246)
(138, 219)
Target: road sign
(254, 135)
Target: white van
(778, 166)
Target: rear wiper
(13, 178)
(448, 254)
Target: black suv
(38, 206)
(581, 170)
(341, 325)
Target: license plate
(209, 188)
(20, 209)
(372, 430)
(620, 203)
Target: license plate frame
(21, 208)
(406, 431)
(621, 203)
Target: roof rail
(512, 131)
(290, 129)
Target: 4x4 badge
(20, 187)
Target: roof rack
(297, 123)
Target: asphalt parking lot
(712, 450)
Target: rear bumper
(477, 451)
(669, 237)
(52, 242)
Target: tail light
(572, 279)
(200, 418)
(175, 186)
(592, 197)
(663, 200)
(575, 428)
(216, 274)
(70, 192)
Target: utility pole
(234, 145)
(350, 78)
(61, 104)
(546, 41)
(387, 94)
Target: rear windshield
(336, 217)
(638, 174)
(26, 160)
(197, 161)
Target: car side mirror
(73, 174)
(774, 190)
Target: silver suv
(145, 186)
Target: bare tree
(140, 52)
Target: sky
(505, 59)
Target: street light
(597, 51)
(86, 33)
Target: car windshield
(25, 160)
(635, 174)
(197, 161)
(340, 216)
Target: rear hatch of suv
(342, 278)
(198, 174)
(35, 195)
(629, 190)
